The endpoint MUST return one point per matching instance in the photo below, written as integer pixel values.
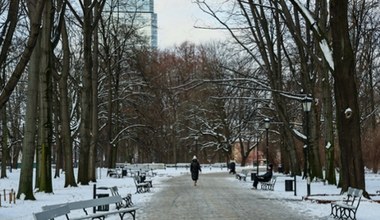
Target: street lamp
(257, 154)
(267, 124)
(256, 125)
(196, 145)
(306, 105)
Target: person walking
(195, 168)
(232, 167)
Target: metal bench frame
(347, 207)
(269, 185)
(127, 200)
(141, 187)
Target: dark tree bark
(45, 123)
(86, 166)
(5, 43)
(86, 101)
(4, 142)
(346, 96)
(65, 116)
(26, 175)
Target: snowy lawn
(368, 209)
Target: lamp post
(257, 154)
(196, 145)
(306, 105)
(256, 125)
(267, 124)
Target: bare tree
(45, 100)
(26, 175)
(65, 132)
(88, 23)
(347, 108)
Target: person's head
(194, 157)
(270, 166)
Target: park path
(215, 197)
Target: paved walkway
(213, 198)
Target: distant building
(146, 18)
(252, 157)
(140, 14)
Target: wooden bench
(242, 175)
(269, 185)
(347, 207)
(52, 213)
(141, 187)
(90, 204)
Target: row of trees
(93, 94)
(326, 49)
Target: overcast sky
(176, 20)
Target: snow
(327, 53)
(348, 111)
(326, 50)
(368, 210)
(328, 145)
(299, 134)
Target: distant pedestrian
(263, 178)
(232, 167)
(195, 168)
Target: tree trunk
(86, 101)
(330, 175)
(5, 45)
(45, 103)
(26, 175)
(347, 109)
(58, 154)
(4, 142)
(64, 108)
(94, 105)
(110, 148)
(327, 102)
(28, 147)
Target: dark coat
(232, 167)
(195, 167)
(266, 177)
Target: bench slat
(121, 212)
(87, 203)
(52, 213)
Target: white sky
(176, 20)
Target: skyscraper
(146, 18)
(139, 14)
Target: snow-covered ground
(368, 210)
